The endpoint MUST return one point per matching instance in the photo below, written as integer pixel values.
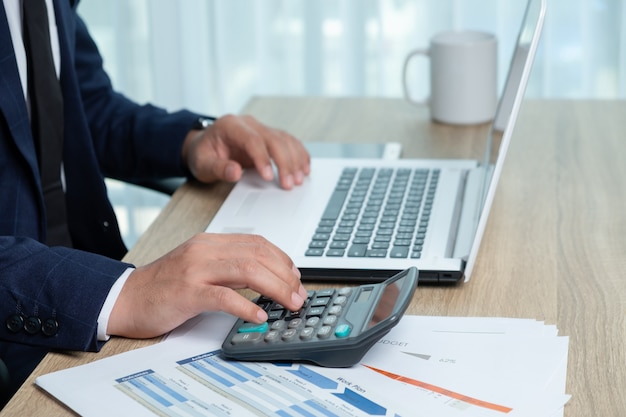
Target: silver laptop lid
(506, 114)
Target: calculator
(334, 328)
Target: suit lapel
(12, 103)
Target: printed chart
(251, 388)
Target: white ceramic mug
(463, 77)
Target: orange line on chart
(439, 390)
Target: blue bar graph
(279, 390)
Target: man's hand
(202, 275)
(232, 143)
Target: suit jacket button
(15, 323)
(32, 325)
(50, 327)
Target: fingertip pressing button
(15, 323)
(50, 327)
(32, 325)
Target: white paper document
(425, 366)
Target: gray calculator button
(294, 314)
(345, 291)
(247, 338)
(325, 292)
(340, 301)
(275, 314)
(306, 333)
(330, 320)
(312, 321)
(272, 336)
(320, 301)
(295, 323)
(315, 311)
(336, 310)
(289, 334)
(324, 332)
(278, 325)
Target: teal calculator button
(252, 327)
(343, 330)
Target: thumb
(223, 170)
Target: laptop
(363, 220)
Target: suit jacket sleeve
(65, 286)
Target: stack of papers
(425, 366)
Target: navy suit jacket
(105, 135)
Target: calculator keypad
(319, 318)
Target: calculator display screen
(387, 302)
(364, 295)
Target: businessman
(62, 130)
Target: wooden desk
(554, 248)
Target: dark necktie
(46, 100)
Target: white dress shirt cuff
(105, 313)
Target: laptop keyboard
(377, 213)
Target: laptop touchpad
(282, 203)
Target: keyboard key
(399, 252)
(380, 245)
(314, 252)
(321, 236)
(376, 253)
(357, 251)
(335, 204)
(338, 244)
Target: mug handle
(405, 88)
